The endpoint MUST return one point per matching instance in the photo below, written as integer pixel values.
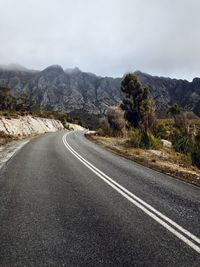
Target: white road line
(196, 239)
(148, 209)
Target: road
(65, 201)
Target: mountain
(166, 91)
(73, 90)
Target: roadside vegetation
(12, 107)
(5, 138)
(134, 130)
(84, 119)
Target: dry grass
(164, 160)
(5, 138)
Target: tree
(138, 107)
(174, 110)
(7, 100)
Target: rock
(28, 125)
(166, 143)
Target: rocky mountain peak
(73, 70)
(54, 69)
(196, 82)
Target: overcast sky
(107, 37)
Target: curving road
(65, 201)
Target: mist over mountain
(74, 90)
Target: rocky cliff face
(72, 89)
(167, 91)
(28, 125)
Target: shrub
(184, 144)
(115, 117)
(148, 140)
(181, 122)
(4, 138)
(160, 130)
(196, 157)
(197, 140)
(142, 139)
(135, 137)
(175, 135)
(104, 129)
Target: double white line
(184, 235)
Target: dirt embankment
(165, 160)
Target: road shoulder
(155, 162)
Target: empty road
(65, 201)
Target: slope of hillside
(72, 89)
(28, 125)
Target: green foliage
(7, 101)
(149, 140)
(88, 121)
(136, 105)
(135, 138)
(174, 110)
(182, 141)
(195, 155)
(144, 139)
(76, 120)
(63, 118)
(10, 103)
(184, 144)
(161, 130)
(185, 140)
(139, 111)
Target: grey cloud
(108, 37)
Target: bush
(160, 130)
(142, 139)
(115, 118)
(184, 144)
(104, 129)
(135, 138)
(150, 141)
(196, 157)
(197, 140)
(188, 145)
(5, 138)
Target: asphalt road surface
(65, 201)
